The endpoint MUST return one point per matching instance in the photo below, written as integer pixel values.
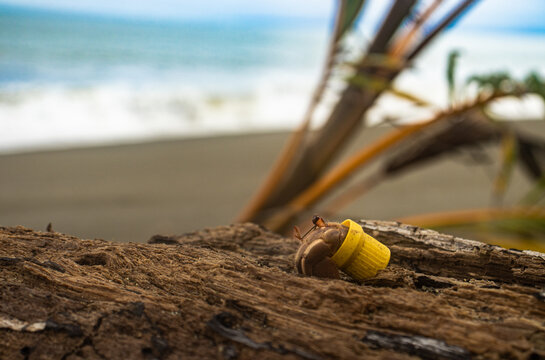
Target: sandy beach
(130, 192)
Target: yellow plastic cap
(360, 255)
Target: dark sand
(130, 192)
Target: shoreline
(45, 149)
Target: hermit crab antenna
(318, 221)
(309, 230)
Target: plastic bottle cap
(360, 255)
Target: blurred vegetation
(309, 169)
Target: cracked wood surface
(231, 292)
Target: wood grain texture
(232, 293)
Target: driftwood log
(231, 293)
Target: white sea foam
(58, 116)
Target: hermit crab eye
(318, 221)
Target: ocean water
(74, 80)
(69, 80)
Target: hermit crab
(329, 246)
(317, 247)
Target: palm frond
(535, 195)
(448, 20)
(519, 227)
(346, 15)
(416, 100)
(398, 12)
(508, 158)
(404, 41)
(535, 84)
(347, 168)
(451, 70)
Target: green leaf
(535, 84)
(372, 83)
(526, 227)
(409, 97)
(496, 82)
(508, 158)
(382, 61)
(536, 194)
(451, 69)
(348, 12)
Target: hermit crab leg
(298, 257)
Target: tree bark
(231, 292)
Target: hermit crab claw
(316, 261)
(314, 257)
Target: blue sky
(525, 15)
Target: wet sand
(130, 192)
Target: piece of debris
(8, 322)
(423, 347)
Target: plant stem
(343, 171)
